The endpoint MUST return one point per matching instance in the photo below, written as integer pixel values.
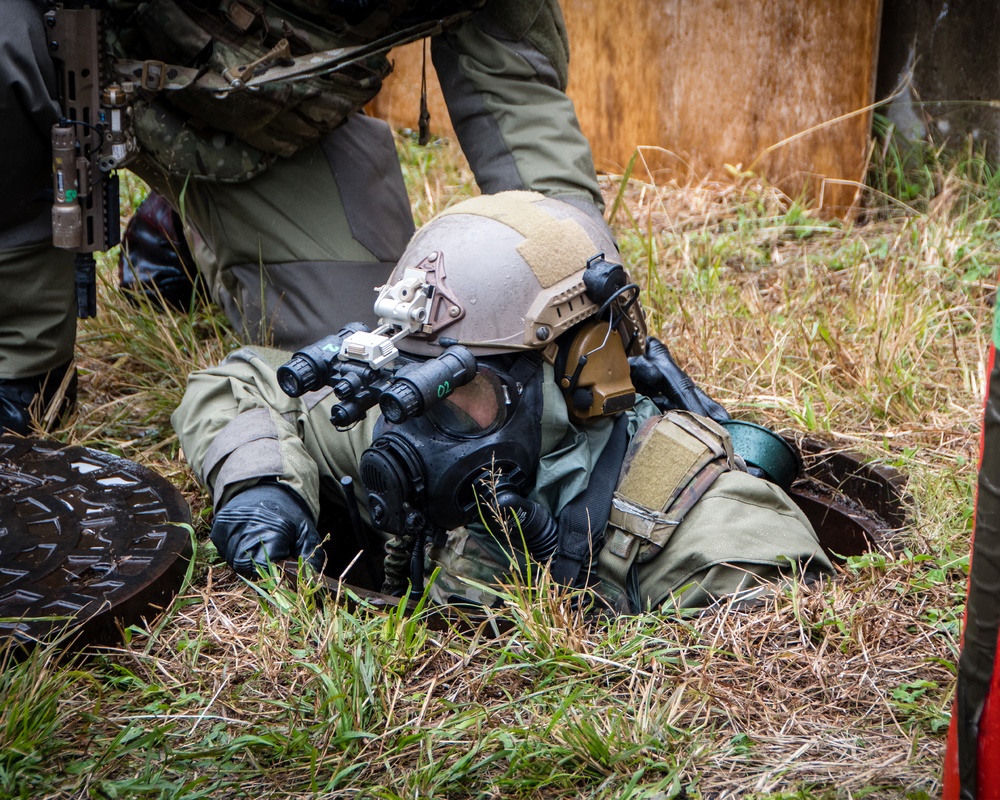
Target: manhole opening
(856, 506)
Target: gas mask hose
(396, 566)
(520, 525)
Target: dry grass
(872, 335)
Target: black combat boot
(155, 261)
(23, 400)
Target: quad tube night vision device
(364, 368)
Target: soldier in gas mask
(490, 423)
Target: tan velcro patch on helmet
(554, 248)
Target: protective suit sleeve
(237, 427)
(503, 74)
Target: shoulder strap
(584, 518)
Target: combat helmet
(518, 271)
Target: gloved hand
(265, 524)
(656, 375)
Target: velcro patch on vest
(663, 461)
(671, 463)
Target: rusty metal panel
(938, 62)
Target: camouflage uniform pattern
(291, 243)
(197, 127)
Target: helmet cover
(500, 273)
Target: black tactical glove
(266, 524)
(656, 375)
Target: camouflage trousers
(290, 255)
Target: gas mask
(469, 458)
(457, 442)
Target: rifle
(91, 140)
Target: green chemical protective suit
(510, 280)
(237, 427)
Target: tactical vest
(226, 86)
(687, 522)
(687, 526)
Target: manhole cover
(85, 537)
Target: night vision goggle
(364, 368)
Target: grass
(872, 333)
